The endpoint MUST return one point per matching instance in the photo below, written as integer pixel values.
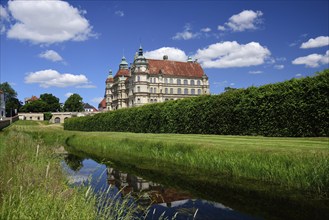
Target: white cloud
(245, 20)
(298, 75)
(48, 78)
(221, 28)
(206, 30)
(317, 42)
(97, 100)
(119, 13)
(312, 60)
(87, 86)
(4, 16)
(171, 52)
(51, 55)
(68, 94)
(232, 54)
(187, 34)
(256, 72)
(47, 22)
(279, 66)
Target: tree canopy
(73, 103)
(51, 101)
(12, 102)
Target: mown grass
(33, 185)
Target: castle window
(171, 80)
(150, 80)
(166, 90)
(138, 100)
(185, 91)
(151, 100)
(138, 89)
(138, 78)
(185, 81)
(199, 82)
(179, 91)
(178, 82)
(193, 91)
(155, 100)
(151, 90)
(155, 90)
(155, 80)
(192, 82)
(171, 90)
(199, 91)
(166, 80)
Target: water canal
(170, 196)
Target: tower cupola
(123, 64)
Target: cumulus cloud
(256, 72)
(68, 94)
(47, 22)
(49, 78)
(4, 16)
(232, 54)
(171, 52)
(119, 13)
(245, 20)
(279, 66)
(298, 75)
(206, 30)
(317, 42)
(187, 34)
(312, 60)
(51, 55)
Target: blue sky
(65, 47)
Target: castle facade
(150, 81)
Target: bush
(296, 108)
(47, 116)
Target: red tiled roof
(102, 104)
(122, 72)
(175, 68)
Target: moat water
(169, 197)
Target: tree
(73, 103)
(51, 101)
(35, 106)
(12, 102)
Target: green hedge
(298, 107)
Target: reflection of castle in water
(153, 192)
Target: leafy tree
(51, 101)
(73, 103)
(12, 102)
(35, 106)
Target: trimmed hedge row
(295, 108)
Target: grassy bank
(268, 169)
(33, 185)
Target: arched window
(155, 100)
(179, 91)
(171, 80)
(171, 90)
(178, 82)
(155, 90)
(193, 91)
(150, 80)
(185, 81)
(192, 82)
(199, 82)
(138, 89)
(151, 100)
(166, 80)
(155, 80)
(199, 91)
(166, 90)
(185, 91)
(138, 78)
(151, 90)
(138, 100)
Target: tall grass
(33, 186)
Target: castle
(150, 81)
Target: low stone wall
(4, 123)
(31, 116)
